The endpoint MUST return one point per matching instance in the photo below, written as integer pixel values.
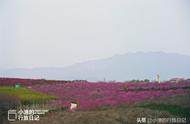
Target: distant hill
(123, 67)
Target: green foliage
(146, 80)
(172, 109)
(159, 89)
(26, 95)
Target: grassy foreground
(168, 107)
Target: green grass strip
(26, 95)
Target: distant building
(177, 80)
(187, 80)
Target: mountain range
(122, 67)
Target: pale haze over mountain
(46, 38)
(58, 33)
(123, 67)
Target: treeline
(26, 82)
(145, 80)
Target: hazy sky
(56, 33)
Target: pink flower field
(101, 94)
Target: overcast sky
(57, 33)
